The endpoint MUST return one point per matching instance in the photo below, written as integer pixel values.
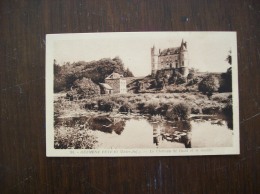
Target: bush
(209, 85)
(179, 111)
(190, 76)
(151, 107)
(226, 81)
(90, 105)
(162, 109)
(211, 110)
(196, 111)
(181, 80)
(228, 109)
(106, 106)
(70, 138)
(193, 81)
(127, 107)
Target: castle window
(182, 63)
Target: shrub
(193, 81)
(178, 111)
(90, 105)
(162, 109)
(211, 110)
(151, 108)
(209, 85)
(181, 80)
(196, 111)
(226, 81)
(228, 109)
(104, 105)
(127, 107)
(70, 138)
(190, 76)
(140, 106)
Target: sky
(207, 50)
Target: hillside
(175, 84)
(97, 71)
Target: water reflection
(100, 123)
(179, 131)
(122, 132)
(220, 120)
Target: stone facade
(171, 58)
(117, 82)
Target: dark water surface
(141, 132)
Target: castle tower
(153, 68)
(154, 61)
(184, 59)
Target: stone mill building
(114, 84)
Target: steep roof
(171, 51)
(114, 76)
(106, 86)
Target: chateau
(175, 58)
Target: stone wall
(115, 84)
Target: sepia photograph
(141, 94)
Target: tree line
(97, 71)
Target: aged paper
(141, 94)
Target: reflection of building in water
(157, 133)
(186, 139)
(172, 132)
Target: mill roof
(171, 51)
(106, 86)
(114, 76)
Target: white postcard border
(52, 152)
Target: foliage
(229, 57)
(228, 109)
(190, 75)
(128, 73)
(209, 84)
(176, 78)
(181, 80)
(85, 86)
(91, 105)
(212, 110)
(105, 105)
(97, 71)
(226, 81)
(193, 82)
(126, 107)
(178, 111)
(70, 138)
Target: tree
(57, 68)
(226, 84)
(229, 57)
(128, 73)
(119, 67)
(208, 85)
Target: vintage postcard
(141, 94)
